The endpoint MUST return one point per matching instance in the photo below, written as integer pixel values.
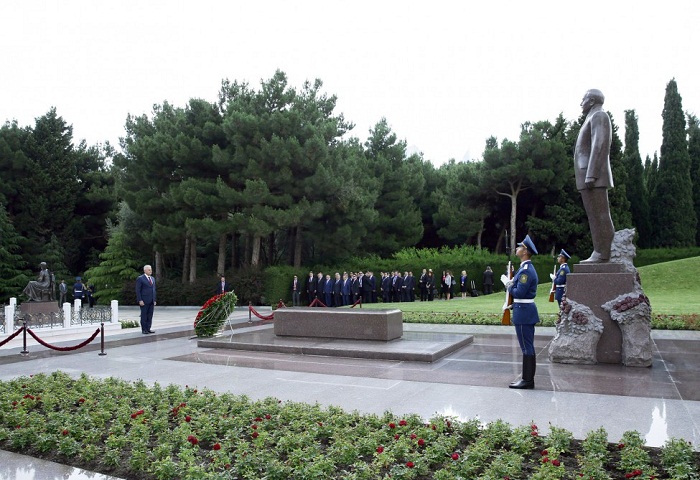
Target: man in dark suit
(320, 288)
(296, 292)
(223, 286)
(311, 287)
(146, 297)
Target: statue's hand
(590, 182)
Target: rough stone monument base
(605, 299)
(594, 285)
(343, 323)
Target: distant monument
(41, 289)
(42, 298)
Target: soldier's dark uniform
(523, 290)
(560, 278)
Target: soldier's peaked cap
(564, 254)
(527, 242)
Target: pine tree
(673, 214)
(636, 187)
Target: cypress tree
(636, 188)
(673, 214)
(12, 275)
(694, 152)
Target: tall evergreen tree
(673, 214)
(619, 204)
(13, 276)
(636, 186)
(694, 153)
(400, 222)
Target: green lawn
(670, 287)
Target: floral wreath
(214, 313)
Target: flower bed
(136, 431)
(213, 314)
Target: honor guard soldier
(523, 288)
(559, 279)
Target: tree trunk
(221, 263)
(297, 248)
(255, 252)
(160, 269)
(186, 260)
(480, 233)
(234, 248)
(513, 213)
(193, 260)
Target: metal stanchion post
(250, 318)
(102, 339)
(24, 341)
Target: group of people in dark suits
(350, 287)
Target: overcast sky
(445, 74)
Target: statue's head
(596, 95)
(42, 264)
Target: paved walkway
(659, 402)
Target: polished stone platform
(412, 346)
(339, 323)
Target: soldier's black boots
(528, 377)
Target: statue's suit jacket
(592, 154)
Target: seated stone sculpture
(41, 289)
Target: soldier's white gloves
(551, 275)
(506, 281)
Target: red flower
(380, 449)
(455, 456)
(533, 426)
(254, 426)
(268, 416)
(413, 436)
(192, 439)
(402, 423)
(556, 462)
(64, 432)
(421, 442)
(392, 425)
(544, 453)
(320, 424)
(258, 419)
(255, 434)
(620, 446)
(187, 418)
(396, 437)
(216, 446)
(545, 459)
(433, 427)
(534, 433)
(410, 464)
(81, 400)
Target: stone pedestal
(593, 285)
(34, 308)
(339, 323)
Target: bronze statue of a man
(593, 173)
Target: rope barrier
(359, 300)
(281, 304)
(62, 349)
(262, 317)
(11, 336)
(317, 302)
